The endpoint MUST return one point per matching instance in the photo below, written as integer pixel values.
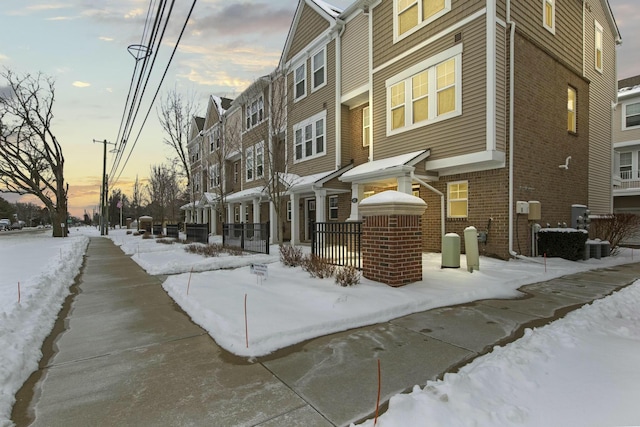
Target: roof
(299, 184)
(249, 193)
(388, 167)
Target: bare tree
(31, 159)
(164, 191)
(176, 112)
(137, 199)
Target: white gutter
(511, 144)
(438, 192)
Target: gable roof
(324, 9)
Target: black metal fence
(252, 237)
(157, 229)
(197, 233)
(173, 231)
(340, 243)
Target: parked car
(5, 224)
(16, 226)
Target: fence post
(268, 234)
(243, 230)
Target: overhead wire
(166, 70)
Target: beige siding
(384, 47)
(501, 88)
(355, 54)
(568, 28)
(456, 136)
(323, 99)
(602, 92)
(213, 115)
(620, 135)
(310, 25)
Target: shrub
(166, 241)
(212, 249)
(318, 267)
(347, 276)
(147, 236)
(567, 243)
(233, 251)
(129, 231)
(136, 234)
(615, 228)
(291, 256)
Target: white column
(256, 211)
(357, 191)
(214, 220)
(321, 205)
(295, 219)
(404, 184)
(273, 223)
(230, 218)
(243, 210)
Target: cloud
(243, 18)
(3, 58)
(60, 18)
(106, 39)
(78, 83)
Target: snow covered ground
(581, 370)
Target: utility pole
(104, 194)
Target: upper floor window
(214, 176)
(259, 160)
(309, 137)
(598, 47)
(412, 14)
(571, 110)
(549, 15)
(366, 127)
(300, 81)
(425, 93)
(248, 162)
(214, 140)
(318, 64)
(236, 167)
(458, 199)
(631, 115)
(255, 112)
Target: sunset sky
(226, 46)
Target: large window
(300, 81)
(318, 62)
(255, 112)
(309, 137)
(366, 127)
(249, 163)
(214, 176)
(598, 47)
(549, 15)
(631, 115)
(458, 195)
(571, 110)
(626, 165)
(425, 93)
(259, 160)
(412, 14)
(333, 207)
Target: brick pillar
(392, 238)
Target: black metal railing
(340, 243)
(157, 229)
(251, 237)
(197, 233)
(173, 231)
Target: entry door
(311, 217)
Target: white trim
(624, 115)
(427, 42)
(473, 162)
(552, 28)
(421, 23)
(300, 126)
(295, 82)
(332, 209)
(322, 50)
(366, 112)
(491, 75)
(249, 155)
(449, 199)
(345, 98)
(598, 29)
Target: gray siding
(568, 28)
(384, 47)
(602, 92)
(310, 25)
(501, 88)
(355, 53)
(620, 135)
(456, 136)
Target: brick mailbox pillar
(392, 238)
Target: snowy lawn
(45, 269)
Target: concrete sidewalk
(129, 356)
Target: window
(236, 214)
(631, 115)
(259, 160)
(236, 167)
(458, 195)
(333, 207)
(300, 81)
(366, 127)
(415, 190)
(425, 93)
(309, 137)
(571, 110)
(214, 176)
(254, 112)
(289, 210)
(318, 62)
(249, 163)
(626, 165)
(598, 47)
(411, 14)
(549, 15)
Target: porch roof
(248, 194)
(385, 168)
(305, 183)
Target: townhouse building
(626, 137)
(471, 105)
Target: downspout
(439, 193)
(511, 144)
(341, 25)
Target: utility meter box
(535, 210)
(522, 207)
